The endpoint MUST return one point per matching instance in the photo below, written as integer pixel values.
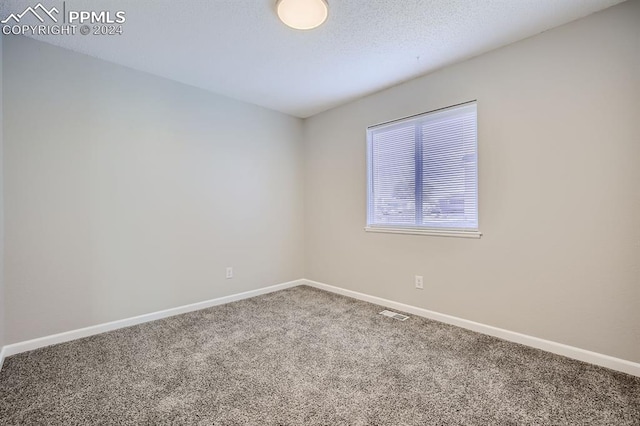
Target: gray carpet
(306, 357)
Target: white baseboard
(67, 336)
(607, 361)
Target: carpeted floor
(306, 357)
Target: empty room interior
(320, 212)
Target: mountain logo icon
(34, 11)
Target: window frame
(414, 229)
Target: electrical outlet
(229, 272)
(419, 282)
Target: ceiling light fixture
(302, 14)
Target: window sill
(431, 232)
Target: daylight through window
(423, 172)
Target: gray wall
(127, 193)
(559, 144)
(2, 304)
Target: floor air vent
(394, 315)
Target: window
(423, 173)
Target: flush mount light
(302, 14)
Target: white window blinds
(423, 171)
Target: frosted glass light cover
(302, 14)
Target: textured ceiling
(240, 49)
